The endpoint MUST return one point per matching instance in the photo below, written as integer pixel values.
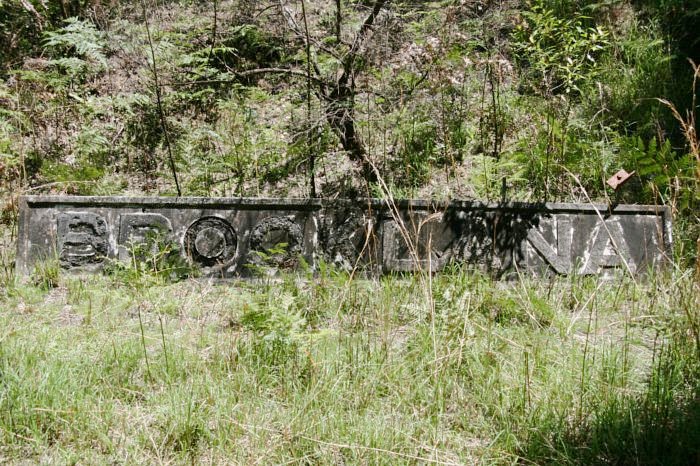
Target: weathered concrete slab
(237, 237)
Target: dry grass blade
(688, 125)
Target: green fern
(662, 169)
(79, 48)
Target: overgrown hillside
(539, 100)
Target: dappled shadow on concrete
(493, 238)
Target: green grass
(331, 370)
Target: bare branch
(365, 28)
(253, 72)
(291, 22)
(30, 9)
(290, 71)
(213, 34)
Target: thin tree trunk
(338, 20)
(159, 103)
(309, 149)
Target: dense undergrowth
(539, 100)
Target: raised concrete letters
(82, 239)
(607, 250)
(138, 229)
(211, 241)
(276, 242)
(558, 253)
(238, 237)
(421, 242)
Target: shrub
(560, 53)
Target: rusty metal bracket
(619, 178)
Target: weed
(276, 325)
(154, 260)
(688, 188)
(496, 372)
(46, 274)
(418, 151)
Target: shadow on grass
(661, 426)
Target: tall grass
(334, 369)
(688, 126)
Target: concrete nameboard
(228, 237)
